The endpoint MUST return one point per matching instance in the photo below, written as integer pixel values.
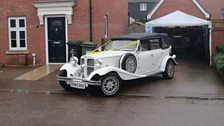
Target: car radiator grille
(89, 67)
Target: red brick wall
(217, 37)
(117, 11)
(170, 6)
(78, 30)
(35, 34)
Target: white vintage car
(128, 57)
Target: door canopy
(54, 7)
(177, 18)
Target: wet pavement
(36, 109)
(194, 97)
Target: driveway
(194, 97)
(193, 78)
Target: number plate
(78, 85)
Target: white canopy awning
(181, 19)
(177, 18)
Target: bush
(219, 62)
(220, 49)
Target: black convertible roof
(139, 36)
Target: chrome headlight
(98, 63)
(74, 60)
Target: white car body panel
(163, 64)
(124, 75)
(71, 69)
(151, 61)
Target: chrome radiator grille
(89, 66)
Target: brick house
(44, 26)
(204, 9)
(216, 10)
(138, 9)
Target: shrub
(219, 62)
(220, 49)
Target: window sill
(17, 52)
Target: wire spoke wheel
(169, 71)
(129, 63)
(110, 84)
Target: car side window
(145, 45)
(154, 43)
(164, 43)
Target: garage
(189, 36)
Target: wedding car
(128, 57)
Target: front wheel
(169, 71)
(64, 84)
(110, 84)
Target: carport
(187, 33)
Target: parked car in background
(127, 57)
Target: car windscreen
(121, 45)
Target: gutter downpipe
(210, 42)
(90, 21)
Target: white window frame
(143, 6)
(17, 29)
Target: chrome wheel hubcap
(130, 65)
(170, 70)
(110, 85)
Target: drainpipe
(90, 21)
(105, 26)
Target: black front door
(56, 40)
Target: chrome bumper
(70, 80)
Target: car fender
(71, 69)
(164, 62)
(124, 75)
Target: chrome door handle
(57, 42)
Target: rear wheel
(110, 84)
(64, 84)
(169, 71)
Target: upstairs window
(143, 7)
(17, 33)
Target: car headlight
(74, 60)
(98, 63)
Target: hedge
(219, 59)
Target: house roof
(142, 1)
(139, 36)
(214, 7)
(184, 5)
